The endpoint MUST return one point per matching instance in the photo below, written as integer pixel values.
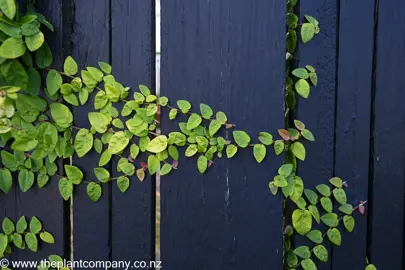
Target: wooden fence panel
(133, 64)
(230, 55)
(387, 237)
(354, 91)
(91, 43)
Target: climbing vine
(38, 127)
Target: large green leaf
(32, 241)
(193, 121)
(118, 142)
(12, 48)
(35, 225)
(35, 42)
(241, 138)
(307, 32)
(9, 8)
(83, 142)
(98, 121)
(158, 144)
(74, 174)
(302, 221)
(14, 73)
(61, 114)
(102, 174)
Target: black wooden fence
(231, 54)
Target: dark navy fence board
(389, 153)
(354, 91)
(133, 64)
(230, 55)
(91, 221)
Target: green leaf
(35, 42)
(83, 142)
(334, 236)
(166, 169)
(3, 242)
(18, 241)
(105, 158)
(214, 127)
(346, 208)
(323, 189)
(259, 152)
(340, 195)
(307, 32)
(191, 150)
(241, 138)
(128, 168)
(158, 144)
(118, 142)
(35, 225)
(47, 237)
(144, 90)
(311, 196)
(32, 241)
(202, 164)
(102, 174)
(25, 180)
(336, 181)
(15, 75)
(42, 180)
(371, 267)
(298, 150)
(173, 152)
(315, 236)
(231, 150)
(6, 180)
(34, 82)
(300, 73)
(327, 204)
(349, 223)
(65, 188)
(98, 121)
(330, 219)
(83, 96)
(308, 264)
(53, 82)
(12, 48)
(321, 253)
(221, 117)
(302, 87)
(8, 160)
(266, 138)
(314, 78)
(43, 56)
(153, 164)
(94, 191)
(280, 181)
(172, 114)
(193, 121)
(9, 8)
(184, 105)
(70, 66)
(21, 225)
(100, 100)
(74, 174)
(134, 150)
(29, 29)
(291, 258)
(8, 226)
(118, 123)
(61, 114)
(278, 147)
(303, 252)
(308, 135)
(285, 170)
(151, 109)
(302, 221)
(123, 183)
(105, 67)
(206, 111)
(273, 188)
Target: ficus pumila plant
(36, 130)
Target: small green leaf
(42, 180)
(173, 152)
(298, 150)
(43, 56)
(280, 181)
(315, 236)
(21, 225)
(166, 168)
(307, 32)
(12, 48)
(153, 164)
(83, 142)
(105, 67)
(18, 241)
(221, 117)
(278, 147)
(273, 188)
(330, 219)
(102, 174)
(3, 242)
(334, 236)
(311, 196)
(94, 191)
(184, 105)
(32, 241)
(202, 164)
(266, 138)
(302, 221)
(74, 174)
(308, 264)
(340, 195)
(313, 78)
(191, 150)
(285, 170)
(53, 82)
(61, 114)
(6, 180)
(35, 225)
(214, 127)
(336, 181)
(231, 150)
(206, 111)
(371, 267)
(349, 223)
(134, 150)
(8, 226)
(172, 114)
(158, 144)
(65, 188)
(9, 8)
(123, 183)
(303, 252)
(300, 73)
(70, 66)
(25, 180)
(144, 90)
(241, 138)
(321, 253)
(118, 142)
(35, 42)
(193, 121)
(323, 189)
(302, 87)
(259, 152)
(327, 204)
(47, 237)
(308, 135)
(346, 208)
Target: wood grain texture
(133, 64)
(318, 111)
(90, 41)
(354, 91)
(46, 203)
(389, 151)
(230, 55)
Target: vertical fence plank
(230, 55)
(133, 64)
(355, 62)
(91, 43)
(389, 153)
(46, 203)
(318, 111)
